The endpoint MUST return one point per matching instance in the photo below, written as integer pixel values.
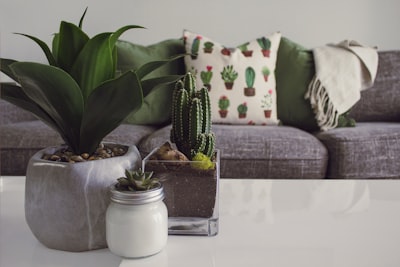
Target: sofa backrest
(381, 102)
(10, 113)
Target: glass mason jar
(136, 223)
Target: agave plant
(78, 93)
(137, 181)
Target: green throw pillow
(156, 108)
(294, 71)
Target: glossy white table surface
(262, 223)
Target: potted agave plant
(223, 104)
(250, 75)
(206, 77)
(79, 95)
(208, 47)
(189, 166)
(245, 50)
(242, 110)
(137, 218)
(265, 45)
(229, 75)
(266, 104)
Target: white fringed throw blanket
(341, 72)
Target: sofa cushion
(251, 98)
(381, 101)
(156, 108)
(19, 141)
(260, 152)
(369, 150)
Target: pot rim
(137, 197)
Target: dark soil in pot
(190, 192)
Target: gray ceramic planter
(65, 203)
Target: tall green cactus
(250, 77)
(195, 47)
(191, 119)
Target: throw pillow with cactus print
(240, 80)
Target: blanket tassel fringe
(326, 115)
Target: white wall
(309, 22)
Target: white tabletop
(308, 223)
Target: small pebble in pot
(104, 151)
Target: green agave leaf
(56, 39)
(56, 93)
(120, 31)
(147, 68)
(55, 44)
(44, 47)
(5, 67)
(96, 64)
(115, 58)
(71, 41)
(83, 16)
(15, 95)
(107, 107)
(153, 83)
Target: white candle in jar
(136, 223)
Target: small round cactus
(223, 103)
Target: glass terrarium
(191, 194)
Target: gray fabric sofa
(369, 150)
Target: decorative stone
(104, 151)
(65, 204)
(76, 158)
(55, 158)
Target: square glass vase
(191, 194)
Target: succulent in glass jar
(137, 180)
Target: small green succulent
(202, 162)
(137, 181)
(228, 74)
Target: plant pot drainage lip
(137, 197)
